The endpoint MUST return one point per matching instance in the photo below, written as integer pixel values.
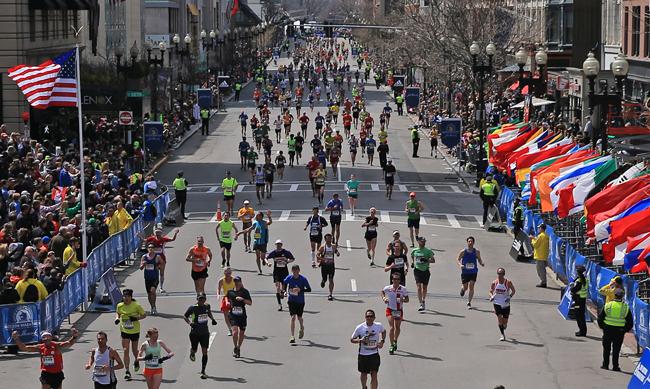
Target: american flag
(50, 84)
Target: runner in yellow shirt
(246, 214)
(229, 186)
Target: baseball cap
(46, 333)
(412, 194)
(422, 239)
(395, 232)
(246, 202)
(279, 241)
(46, 239)
(237, 278)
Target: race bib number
(293, 292)
(372, 228)
(314, 231)
(470, 266)
(371, 343)
(336, 212)
(421, 259)
(390, 174)
(237, 310)
(202, 319)
(200, 263)
(353, 190)
(396, 314)
(225, 234)
(128, 324)
(48, 360)
(399, 262)
(280, 262)
(413, 210)
(257, 235)
(100, 371)
(149, 266)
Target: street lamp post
(481, 72)
(536, 86)
(208, 41)
(181, 53)
(126, 68)
(604, 100)
(156, 62)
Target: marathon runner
(252, 158)
(326, 262)
(280, 162)
(243, 120)
(244, 146)
(246, 214)
(260, 228)
(300, 141)
(353, 142)
(239, 297)
(225, 284)
(229, 186)
(413, 208)
(279, 258)
(151, 354)
(371, 224)
(319, 120)
(296, 286)
(389, 178)
(501, 291)
(269, 177)
(277, 124)
(260, 184)
(197, 316)
(200, 256)
(104, 360)
(224, 232)
(158, 240)
(394, 296)
(347, 123)
(320, 175)
(150, 263)
(467, 260)
(304, 121)
(370, 336)
(397, 262)
(421, 258)
(51, 357)
(387, 111)
(291, 148)
(335, 208)
(371, 144)
(352, 188)
(315, 223)
(128, 314)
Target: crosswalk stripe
(348, 244)
(213, 189)
(294, 187)
(212, 336)
(452, 220)
(375, 187)
(402, 188)
(189, 188)
(429, 188)
(348, 215)
(423, 221)
(479, 219)
(385, 217)
(353, 284)
(456, 189)
(240, 188)
(284, 216)
(213, 218)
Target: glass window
(32, 24)
(636, 30)
(626, 29)
(567, 36)
(45, 28)
(553, 25)
(646, 32)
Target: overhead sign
(224, 83)
(450, 131)
(204, 98)
(412, 97)
(125, 118)
(153, 136)
(134, 93)
(398, 83)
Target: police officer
(180, 189)
(237, 90)
(399, 101)
(415, 138)
(517, 216)
(579, 296)
(488, 194)
(615, 320)
(205, 121)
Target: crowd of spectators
(40, 205)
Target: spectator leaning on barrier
(70, 261)
(615, 319)
(540, 254)
(30, 289)
(609, 290)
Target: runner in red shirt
(313, 166)
(159, 240)
(347, 105)
(347, 123)
(256, 96)
(368, 122)
(304, 121)
(51, 358)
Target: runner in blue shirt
(296, 286)
(150, 264)
(243, 119)
(260, 228)
(467, 260)
(335, 208)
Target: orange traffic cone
(219, 211)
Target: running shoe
(136, 366)
(368, 253)
(462, 292)
(192, 357)
(372, 263)
(391, 349)
(502, 338)
(279, 308)
(330, 298)
(127, 376)
(229, 332)
(162, 291)
(292, 340)
(234, 352)
(421, 308)
(322, 284)
(204, 376)
(301, 333)
(469, 305)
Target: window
(626, 29)
(553, 15)
(646, 32)
(32, 25)
(65, 32)
(173, 20)
(636, 29)
(75, 19)
(54, 25)
(45, 28)
(567, 34)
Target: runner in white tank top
(104, 361)
(501, 291)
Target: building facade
(635, 37)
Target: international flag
(547, 175)
(631, 225)
(633, 172)
(50, 84)
(525, 162)
(543, 166)
(235, 8)
(604, 229)
(572, 175)
(633, 251)
(573, 196)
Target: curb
(158, 164)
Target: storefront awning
(193, 9)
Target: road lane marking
(294, 187)
(402, 188)
(189, 188)
(212, 189)
(375, 187)
(452, 220)
(285, 215)
(456, 189)
(240, 188)
(212, 336)
(429, 188)
(479, 219)
(423, 221)
(213, 218)
(385, 217)
(338, 172)
(353, 284)
(348, 215)
(348, 244)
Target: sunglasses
(370, 316)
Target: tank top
(51, 358)
(202, 255)
(103, 377)
(501, 296)
(259, 177)
(315, 227)
(320, 177)
(225, 231)
(469, 262)
(328, 255)
(227, 286)
(150, 268)
(155, 351)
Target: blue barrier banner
(111, 287)
(450, 131)
(641, 377)
(412, 97)
(153, 136)
(24, 318)
(565, 305)
(204, 98)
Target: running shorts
(280, 273)
(414, 223)
(504, 311)
(197, 275)
(422, 276)
(54, 380)
(225, 245)
(296, 308)
(327, 270)
(368, 363)
(150, 283)
(467, 277)
(196, 339)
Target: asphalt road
(447, 346)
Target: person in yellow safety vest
(488, 194)
(229, 186)
(615, 319)
(540, 245)
(609, 289)
(579, 296)
(180, 190)
(205, 121)
(237, 90)
(399, 101)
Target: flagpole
(84, 242)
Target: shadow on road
(309, 343)
(238, 380)
(408, 354)
(348, 301)
(252, 361)
(515, 341)
(432, 312)
(423, 323)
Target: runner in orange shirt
(200, 256)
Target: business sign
(450, 131)
(641, 376)
(155, 39)
(412, 97)
(125, 118)
(398, 84)
(224, 83)
(153, 136)
(204, 98)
